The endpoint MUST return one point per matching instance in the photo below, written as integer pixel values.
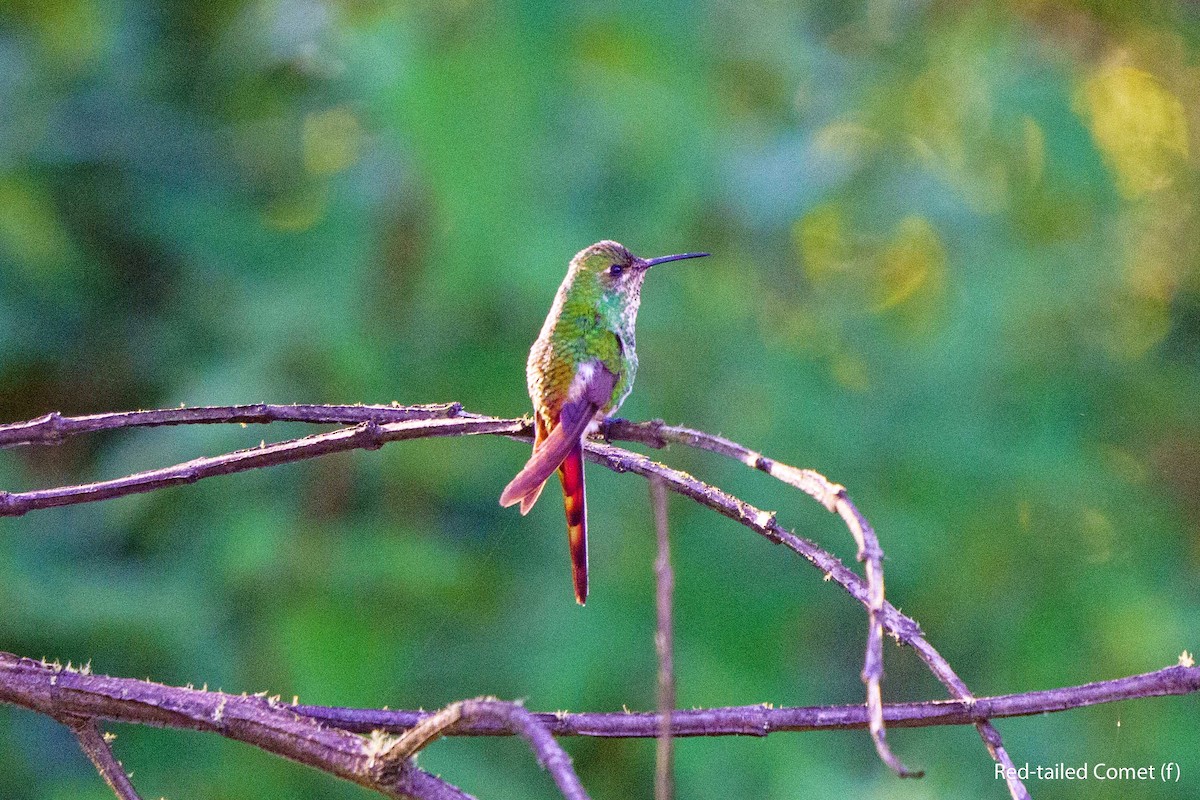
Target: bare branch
(367, 436)
(763, 720)
(52, 428)
(95, 746)
(262, 721)
(270, 724)
(664, 645)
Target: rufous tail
(575, 502)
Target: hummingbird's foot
(606, 426)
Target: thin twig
(421, 735)
(664, 646)
(95, 746)
(367, 436)
(54, 427)
(870, 554)
(835, 499)
(260, 720)
(548, 752)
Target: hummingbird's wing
(590, 392)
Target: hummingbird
(580, 370)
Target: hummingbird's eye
(615, 270)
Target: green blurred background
(955, 268)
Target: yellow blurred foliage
(822, 239)
(332, 140)
(949, 116)
(1098, 534)
(874, 274)
(1138, 125)
(296, 212)
(913, 261)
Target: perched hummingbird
(580, 370)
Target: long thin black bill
(664, 259)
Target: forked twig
(835, 499)
(371, 435)
(78, 698)
(367, 436)
(903, 628)
(95, 746)
(52, 428)
(396, 753)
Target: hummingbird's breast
(573, 335)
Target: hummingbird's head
(615, 272)
(609, 270)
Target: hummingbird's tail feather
(575, 503)
(562, 449)
(527, 484)
(528, 500)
